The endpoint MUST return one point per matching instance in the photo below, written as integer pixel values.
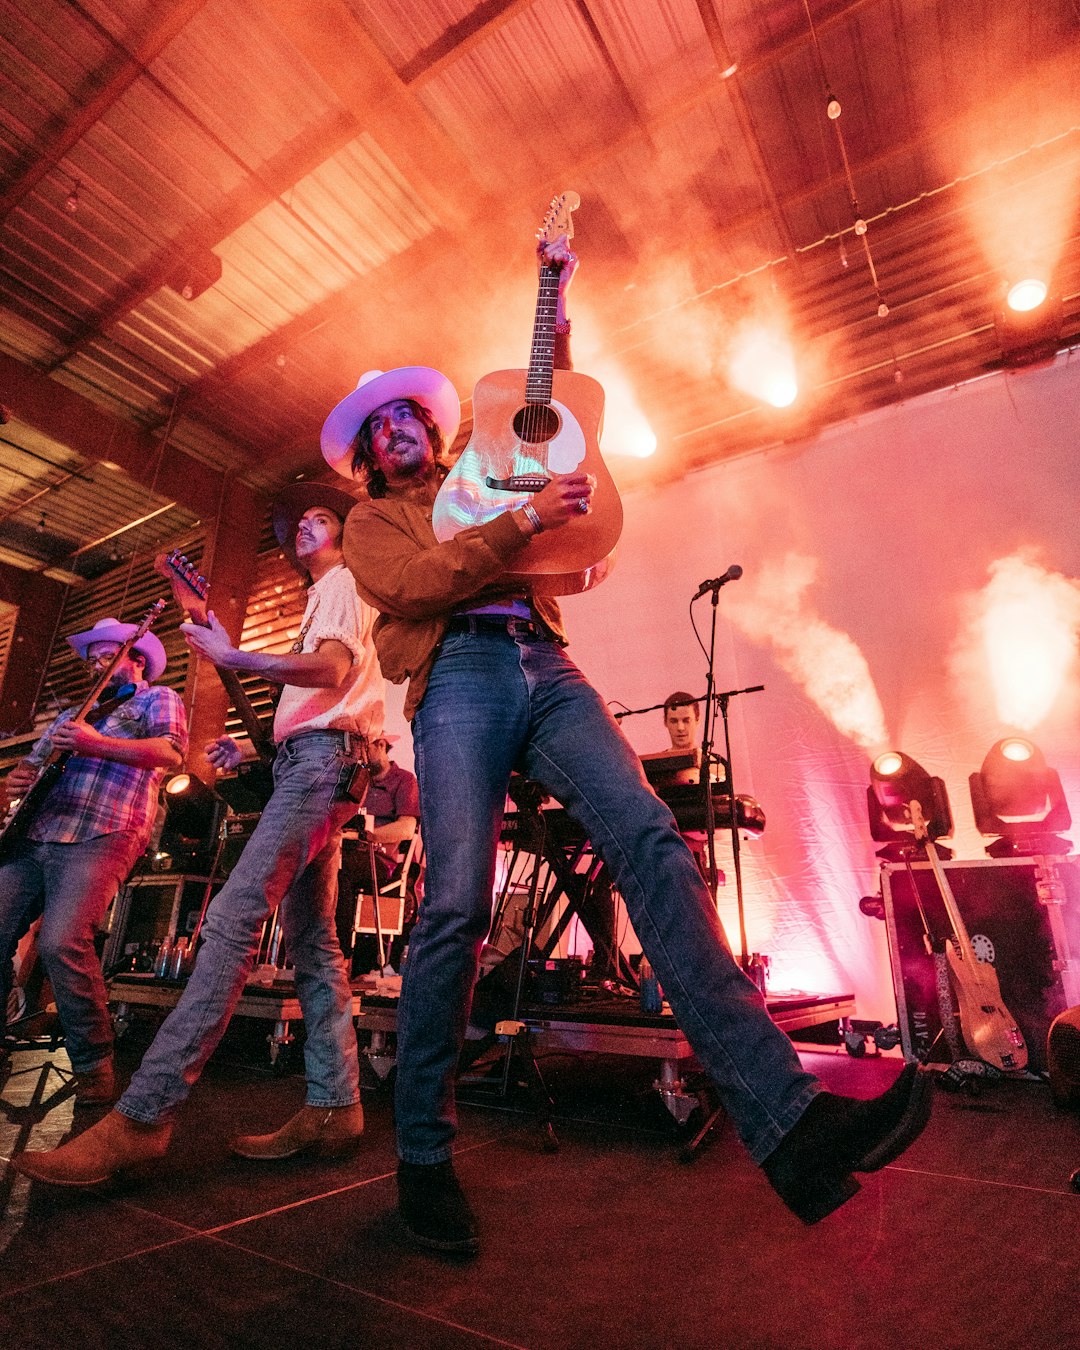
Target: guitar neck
(542, 353)
(949, 900)
(253, 725)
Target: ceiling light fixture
(1026, 294)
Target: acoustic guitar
(190, 590)
(528, 425)
(987, 1026)
(23, 809)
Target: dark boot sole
(908, 1128)
(468, 1246)
(338, 1148)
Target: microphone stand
(722, 701)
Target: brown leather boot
(96, 1087)
(327, 1131)
(115, 1144)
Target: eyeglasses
(102, 659)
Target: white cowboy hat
(291, 503)
(421, 384)
(112, 630)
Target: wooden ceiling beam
(69, 419)
(124, 69)
(292, 162)
(459, 39)
(327, 35)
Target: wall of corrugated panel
(271, 624)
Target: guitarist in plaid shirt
(86, 835)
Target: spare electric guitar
(23, 809)
(527, 426)
(190, 590)
(987, 1026)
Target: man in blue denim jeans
(86, 834)
(331, 703)
(490, 691)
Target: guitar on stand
(23, 809)
(190, 590)
(988, 1028)
(527, 426)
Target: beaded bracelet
(562, 327)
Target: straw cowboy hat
(421, 384)
(291, 503)
(112, 630)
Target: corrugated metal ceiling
(367, 176)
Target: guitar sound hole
(535, 423)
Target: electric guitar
(190, 590)
(24, 808)
(988, 1028)
(528, 425)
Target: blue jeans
(499, 701)
(70, 886)
(290, 861)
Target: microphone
(733, 573)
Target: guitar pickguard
(468, 499)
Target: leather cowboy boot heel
(323, 1131)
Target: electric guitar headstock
(558, 219)
(189, 587)
(919, 824)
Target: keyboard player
(682, 763)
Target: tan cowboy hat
(291, 503)
(112, 630)
(421, 384)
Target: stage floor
(968, 1239)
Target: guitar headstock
(189, 587)
(148, 620)
(558, 218)
(919, 824)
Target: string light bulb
(71, 201)
(860, 226)
(832, 107)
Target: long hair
(363, 457)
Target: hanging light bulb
(41, 525)
(71, 201)
(832, 107)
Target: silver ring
(582, 505)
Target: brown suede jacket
(417, 583)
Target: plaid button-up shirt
(99, 796)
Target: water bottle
(758, 971)
(163, 964)
(652, 1000)
(179, 956)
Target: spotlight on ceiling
(1019, 798)
(1027, 293)
(194, 275)
(896, 780)
(1028, 321)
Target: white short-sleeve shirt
(335, 612)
